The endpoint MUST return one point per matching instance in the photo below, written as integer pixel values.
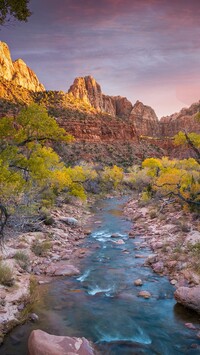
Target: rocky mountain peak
(6, 64)
(145, 120)
(87, 89)
(144, 112)
(17, 72)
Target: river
(102, 304)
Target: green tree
(14, 9)
(29, 168)
(177, 178)
(191, 140)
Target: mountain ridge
(93, 117)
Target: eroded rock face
(189, 297)
(145, 120)
(17, 72)
(183, 120)
(42, 343)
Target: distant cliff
(105, 127)
(141, 116)
(17, 72)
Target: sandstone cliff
(17, 72)
(87, 89)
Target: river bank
(103, 303)
(38, 257)
(174, 237)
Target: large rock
(42, 343)
(62, 269)
(189, 297)
(70, 221)
(17, 72)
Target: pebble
(144, 294)
(173, 282)
(34, 317)
(190, 326)
(138, 282)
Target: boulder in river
(144, 294)
(138, 282)
(188, 297)
(120, 241)
(42, 343)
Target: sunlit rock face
(87, 89)
(6, 64)
(17, 72)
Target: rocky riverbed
(38, 257)
(174, 237)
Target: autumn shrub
(6, 275)
(41, 248)
(153, 214)
(22, 259)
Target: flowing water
(102, 303)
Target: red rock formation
(99, 128)
(94, 117)
(17, 72)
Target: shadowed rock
(189, 297)
(42, 343)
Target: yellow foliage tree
(113, 175)
(179, 178)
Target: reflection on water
(102, 304)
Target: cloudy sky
(147, 50)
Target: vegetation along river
(102, 303)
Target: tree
(191, 140)
(177, 178)
(112, 176)
(29, 168)
(17, 9)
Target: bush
(6, 275)
(22, 259)
(41, 248)
(153, 214)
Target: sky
(147, 50)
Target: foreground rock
(42, 343)
(189, 297)
(62, 270)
